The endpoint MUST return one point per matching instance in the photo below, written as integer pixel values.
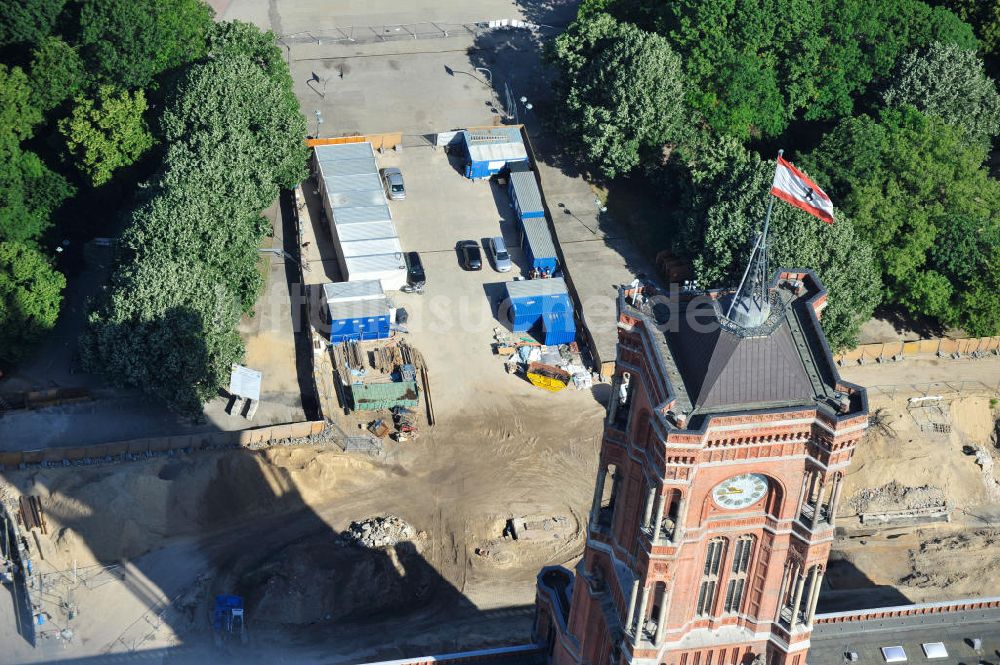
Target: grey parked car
(501, 259)
(393, 179)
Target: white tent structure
(364, 236)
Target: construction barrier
(946, 346)
(384, 141)
(242, 438)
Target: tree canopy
(168, 329)
(752, 67)
(911, 181)
(28, 21)
(107, 133)
(623, 89)
(130, 43)
(57, 73)
(731, 200)
(949, 82)
(234, 136)
(30, 294)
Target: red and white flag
(792, 186)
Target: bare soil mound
(338, 577)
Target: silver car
(501, 259)
(393, 179)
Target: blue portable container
(558, 327)
(536, 241)
(489, 151)
(524, 193)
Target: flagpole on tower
(758, 264)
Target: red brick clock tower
(727, 438)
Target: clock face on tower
(740, 491)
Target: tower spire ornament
(749, 306)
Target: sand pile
(896, 496)
(378, 532)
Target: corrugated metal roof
(537, 231)
(364, 289)
(529, 199)
(354, 183)
(495, 145)
(348, 167)
(354, 199)
(359, 309)
(362, 215)
(370, 247)
(531, 288)
(345, 151)
(380, 263)
(369, 231)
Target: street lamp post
(319, 121)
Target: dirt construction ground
(268, 522)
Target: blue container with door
(536, 241)
(489, 151)
(533, 302)
(524, 193)
(558, 327)
(358, 320)
(358, 310)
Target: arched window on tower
(735, 590)
(710, 578)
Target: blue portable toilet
(357, 310)
(524, 193)
(536, 241)
(489, 151)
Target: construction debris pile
(896, 496)
(549, 367)
(378, 532)
(388, 378)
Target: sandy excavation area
(275, 526)
(900, 467)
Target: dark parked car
(472, 258)
(414, 269)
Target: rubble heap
(896, 496)
(377, 532)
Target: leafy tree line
(75, 78)
(190, 266)
(910, 112)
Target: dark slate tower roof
(721, 368)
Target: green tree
(130, 43)
(234, 134)
(57, 73)
(167, 329)
(622, 92)
(28, 21)
(719, 232)
(18, 115)
(984, 17)
(30, 295)
(29, 193)
(907, 179)
(106, 133)
(753, 67)
(230, 108)
(949, 82)
(237, 38)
